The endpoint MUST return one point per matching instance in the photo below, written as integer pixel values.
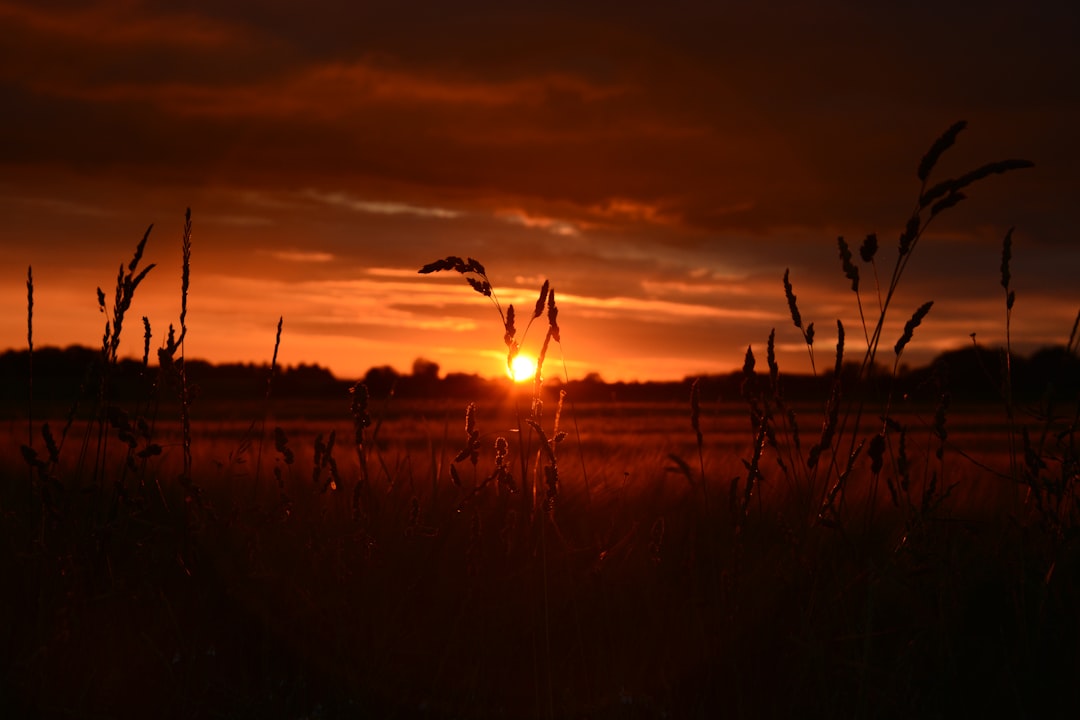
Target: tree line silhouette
(63, 376)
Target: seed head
(910, 325)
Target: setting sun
(523, 368)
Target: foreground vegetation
(526, 556)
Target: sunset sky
(660, 164)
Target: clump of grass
(840, 437)
(549, 452)
(470, 452)
(1048, 469)
(477, 278)
(126, 284)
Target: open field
(633, 597)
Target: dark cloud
(777, 113)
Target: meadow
(529, 555)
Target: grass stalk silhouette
(266, 407)
(30, 355)
(30, 374)
(546, 460)
(932, 201)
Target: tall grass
(829, 463)
(851, 572)
(546, 462)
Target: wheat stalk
(30, 353)
(796, 319)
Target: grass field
(630, 599)
(524, 555)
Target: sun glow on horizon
(522, 369)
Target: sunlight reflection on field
(608, 444)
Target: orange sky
(661, 167)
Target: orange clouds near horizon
(660, 168)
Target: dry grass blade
(828, 430)
(511, 331)
(958, 183)
(907, 237)
(540, 302)
(753, 478)
(273, 358)
(774, 368)
(450, 262)
(953, 198)
(146, 341)
(185, 271)
(682, 468)
(869, 248)
(30, 308)
(909, 327)
(30, 350)
(358, 409)
(796, 318)
(512, 347)
(502, 475)
(1006, 257)
(553, 315)
(829, 510)
(695, 410)
(749, 363)
(471, 451)
(695, 423)
(839, 350)
(1006, 274)
(481, 286)
(940, 145)
(850, 270)
(789, 293)
(266, 396)
(142, 246)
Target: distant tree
(424, 380)
(424, 369)
(381, 381)
(463, 385)
(306, 380)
